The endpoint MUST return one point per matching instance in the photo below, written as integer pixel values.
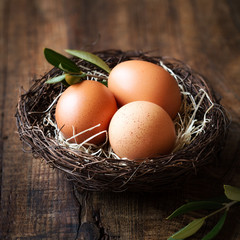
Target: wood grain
(37, 202)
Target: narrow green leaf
(60, 66)
(81, 75)
(58, 60)
(74, 78)
(217, 228)
(56, 79)
(89, 57)
(193, 206)
(189, 230)
(232, 193)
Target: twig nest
(199, 126)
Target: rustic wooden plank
(189, 31)
(36, 201)
(2, 89)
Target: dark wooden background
(37, 202)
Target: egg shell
(140, 130)
(137, 80)
(82, 106)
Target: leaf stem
(226, 206)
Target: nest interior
(95, 172)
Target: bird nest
(200, 125)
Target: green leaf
(56, 79)
(193, 206)
(89, 57)
(217, 228)
(232, 193)
(58, 60)
(74, 78)
(81, 75)
(189, 230)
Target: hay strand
(200, 124)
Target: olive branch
(232, 194)
(71, 72)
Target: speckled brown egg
(83, 106)
(141, 129)
(138, 80)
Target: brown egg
(141, 129)
(82, 106)
(137, 80)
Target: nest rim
(95, 173)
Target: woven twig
(98, 173)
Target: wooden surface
(37, 202)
